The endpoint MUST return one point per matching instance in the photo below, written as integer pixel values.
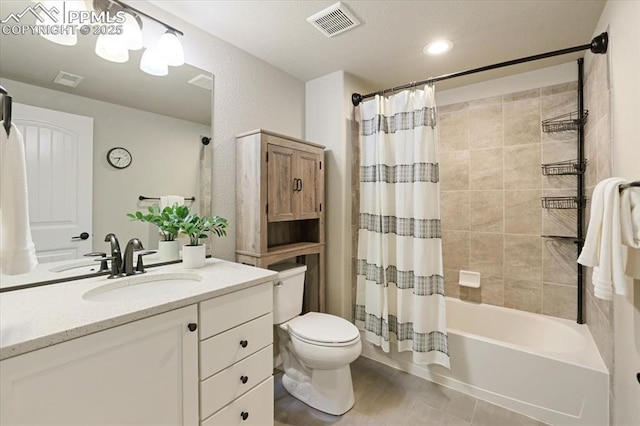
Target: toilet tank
(288, 291)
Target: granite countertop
(38, 317)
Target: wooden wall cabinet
(280, 201)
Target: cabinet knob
(244, 343)
(192, 326)
(244, 379)
(244, 415)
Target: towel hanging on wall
(17, 251)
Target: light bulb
(153, 63)
(112, 48)
(131, 32)
(170, 47)
(59, 32)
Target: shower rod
(598, 45)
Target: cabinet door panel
(307, 198)
(280, 196)
(145, 372)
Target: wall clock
(119, 157)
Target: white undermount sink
(142, 286)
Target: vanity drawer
(220, 351)
(253, 408)
(224, 312)
(222, 388)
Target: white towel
(17, 251)
(630, 228)
(603, 246)
(170, 200)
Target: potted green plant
(169, 221)
(197, 227)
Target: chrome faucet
(116, 255)
(127, 261)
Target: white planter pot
(194, 256)
(168, 250)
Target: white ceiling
(386, 50)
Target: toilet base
(330, 391)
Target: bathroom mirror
(159, 120)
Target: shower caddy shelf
(565, 122)
(562, 168)
(572, 121)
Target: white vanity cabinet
(236, 356)
(208, 363)
(144, 372)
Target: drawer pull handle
(244, 343)
(244, 379)
(244, 415)
(192, 326)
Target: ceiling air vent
(68, 79)
(334, 20)
(202, 81)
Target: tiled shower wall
(491, 184)
(599, 312)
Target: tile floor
(389, 397)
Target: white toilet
(316, 348)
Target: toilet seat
(323, 329)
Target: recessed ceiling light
(437, 47)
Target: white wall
(165, 155)
(621, 19)
(248, 94)
(328, 122)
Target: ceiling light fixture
(110, 45)
(154, 63)
(438, 47)
(170, 48)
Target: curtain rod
(598, 45)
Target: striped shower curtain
(400, 285)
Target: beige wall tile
(559, 262)
(518, 96)
(522, 212)
(485, 169)
(454, 170)
(522, 167)
(559, 88)
(559, 221)
(523, 257)
(485, 126)
(451, 287)
(486, 253)
(558, 104)
(602, 331)
(446, 109)
(590, 149)
(521, 122)
(454, 210)
(603, 148)
(603, 95)
(455, 249)
(454, 131)
(523, 295)
(559, 301)
(486, 211)
(491, 291)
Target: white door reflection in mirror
(59, 155)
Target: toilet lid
(323, 328)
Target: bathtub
(543, 367)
